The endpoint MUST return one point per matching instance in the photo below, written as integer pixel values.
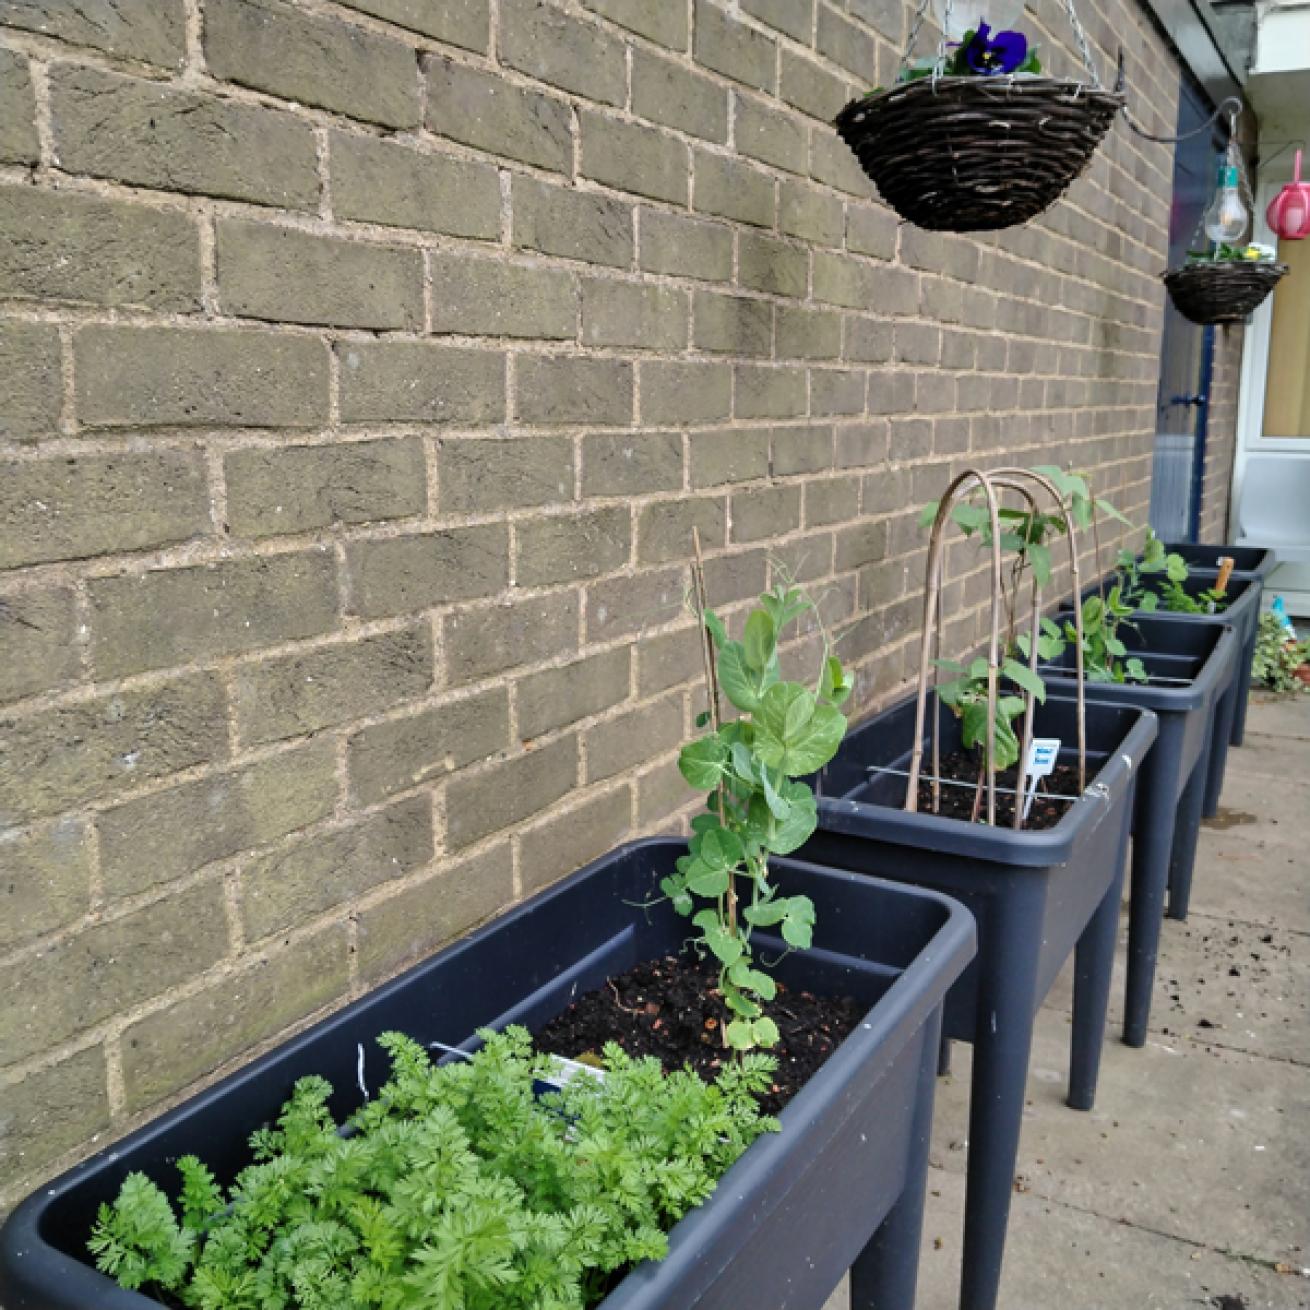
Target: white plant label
(1042, 755)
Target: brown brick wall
(366, 367)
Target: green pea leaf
(702, 762)
(759, 640)
(740, 1034)
(765, 1031)
(1022, 676)
(795, 733)
(708, 882)
(726, 948)
(720, 848)
(765, 914)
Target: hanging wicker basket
(1224, 291)
(967, 154)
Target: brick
(213, 610)
(484, 111)
(153, 31)
(621, 744)
(79, 248)
(554, 47)
(37, 642)
(836, 391)
(664, 528)
(571, 389)
(71, 754)
(419, 382)
(629, 157)
(765, 512)
(483, 642)
(666, 25)
(635, 315)
(885, 16)
(80, 506)
(733, 49)
(168, 834)
(148, 377)
(685, 247)
(290, 886)
(847, 44)
(301, 488)
(317, 61)
(761, 131)
(795, 17)
(766, 264)
(46, 882)
(18, 139)
(33, 393)
(478, 805)
(890, 392)
(413, 923)
(834, 500)
(666, 92)
(401, 575)
(674, 391)
(864, 445)
(868, 340)
(293, 695)
(769, 392)
(731, 189)
(573, 224)
(283, 275)
(153, 135)
(486, 297)
(560, 697)
(80, 981)
(801, 450)
(808, 333)
(810, 88)
(669, 660)
(631, 463)
(729, 455)
(51, 1111)
(480, 476)
(864, 543)
(165, 1051)
(840, 280)
(661, 792)
(811, 215)
(872, 230)
(833, 163)
(567, 842)
(620, 607)
(378, 182)
(407, 752)
(464, 23)
(733, 324)
(564, 548)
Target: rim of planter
(1134, 730)
(917, 989)
(1255, 560)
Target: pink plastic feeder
(1289, 210)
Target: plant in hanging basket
(974, 153)
(1226, 286)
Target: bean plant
(757, 805)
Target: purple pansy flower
(1002, 53)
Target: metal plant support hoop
(968, 154)
(991, 484)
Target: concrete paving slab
(1281, 716)
(1257, 879)
(1273, 755)
(1196, 1143)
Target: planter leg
(886, 1273)
(1224, 717)
(944, 1057)
(1152, 839)
(1187, 831)
(1244, 687)
(1093, 968)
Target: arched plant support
(992, 485)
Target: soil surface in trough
(671, 1008)
(1050, 805)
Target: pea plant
(756, 806)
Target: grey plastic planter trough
(1038, 896)
(1200, 660)
(841, 1185)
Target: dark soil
(671, 1008)
(957, 802)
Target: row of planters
(701, 1073)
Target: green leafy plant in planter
(757, 806)
(459, 1185)
(1278, 658)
